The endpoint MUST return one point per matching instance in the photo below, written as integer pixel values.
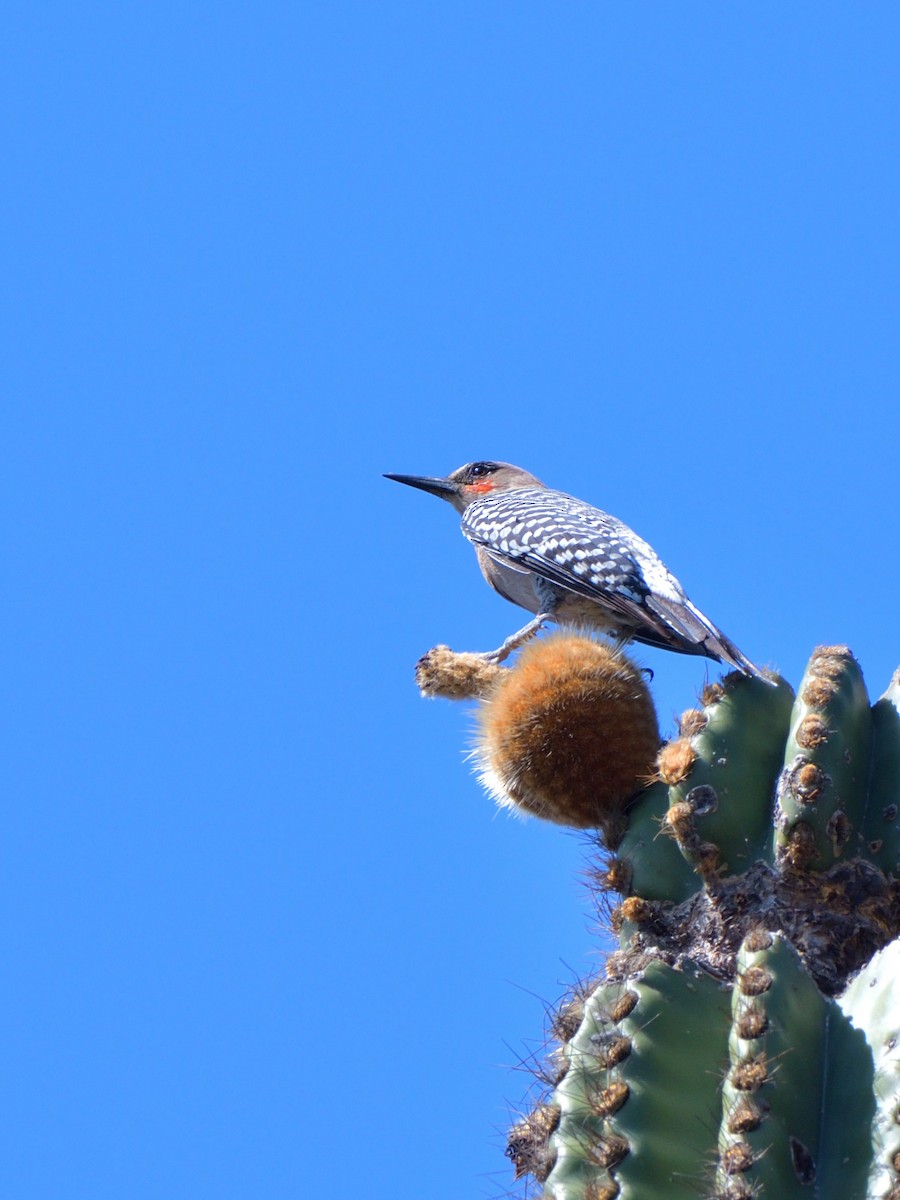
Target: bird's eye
(478, 470)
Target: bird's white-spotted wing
(576, 547)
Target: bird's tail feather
(700, 636)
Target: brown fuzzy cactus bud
(569, 734)
(456, 676)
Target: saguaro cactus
(745, 1037)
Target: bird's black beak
(445, 488)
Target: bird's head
(472, 482)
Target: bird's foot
(515, 640)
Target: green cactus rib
(821, 1110)
(639, 1098)
(739, 754)
(870, 1099)
(823, 786)
(881, 825)
(774, 1095)
(658, 870)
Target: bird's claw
(516, 640)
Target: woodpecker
(573, 564)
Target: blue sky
(263, 934)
